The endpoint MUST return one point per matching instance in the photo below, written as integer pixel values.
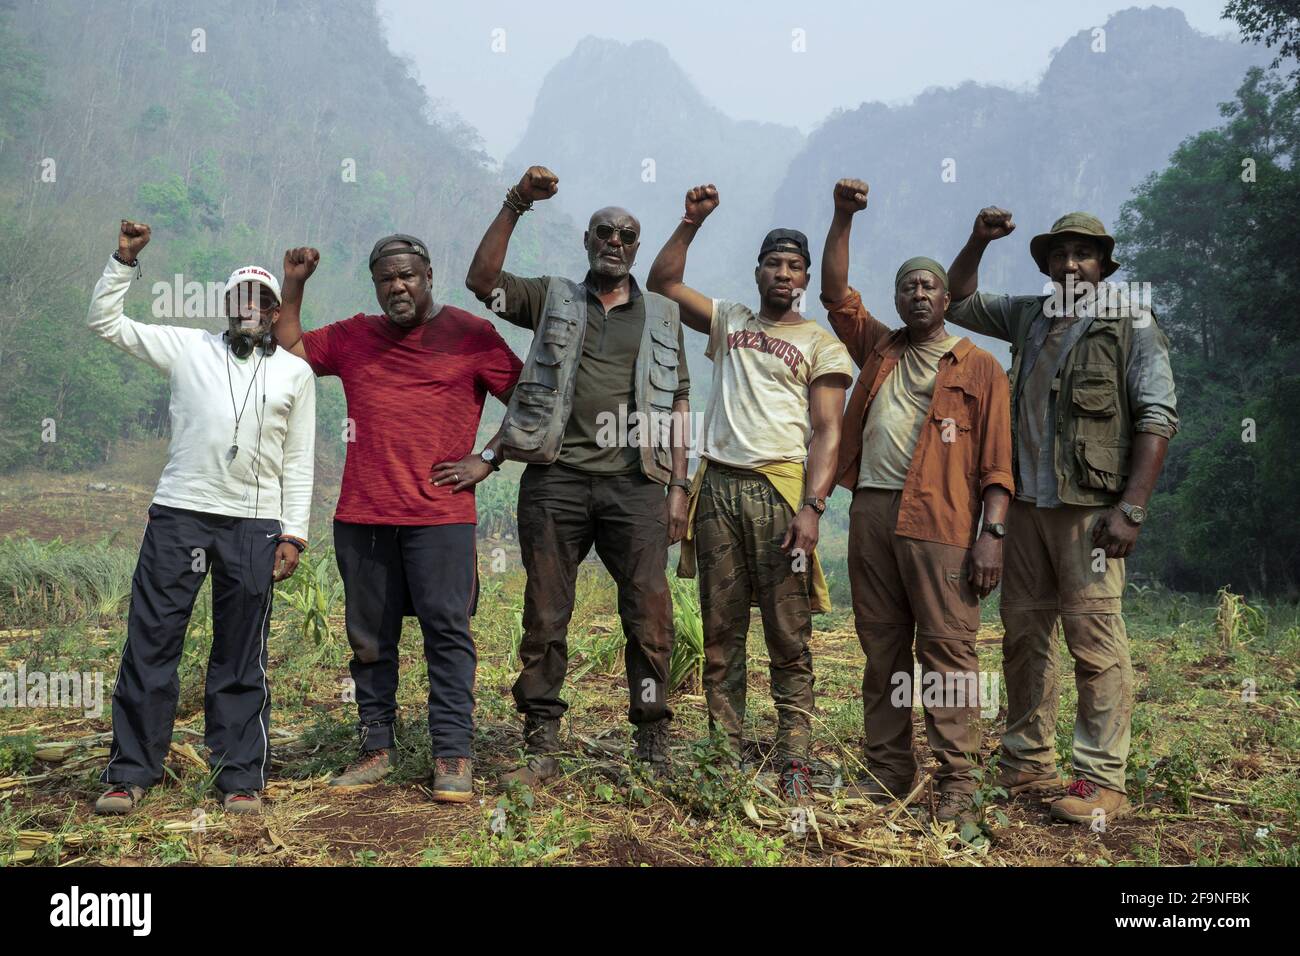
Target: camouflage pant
(740, 521)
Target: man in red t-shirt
(416, 378)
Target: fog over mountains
(1108, 111)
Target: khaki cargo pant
(740, 522)
(1050, 571)
(905, 589)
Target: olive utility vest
(1090, 409)
(542, 401)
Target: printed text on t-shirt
(787, 352)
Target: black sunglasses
(604, 231)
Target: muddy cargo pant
(1052, 569)
(178, 549)
(430, 572)
(563, 512)
(905, 589)
(740, 522)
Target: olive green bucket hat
(1081, 224)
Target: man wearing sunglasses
(604, 377)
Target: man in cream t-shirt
(768, 450)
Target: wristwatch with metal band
(1135, 513)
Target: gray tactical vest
(542, 401)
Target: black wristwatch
(492, 459)
(293, 541)
(681, 483)
(816, 504)
(995, 528)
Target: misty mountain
(1107, 112)
(1097, 124)
(622, 124)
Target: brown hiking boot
(541, 741)
(1022, 781)
(1085, 801)
(954, 807)
(453, 779)
(119, 798)
(242, 801)
(371, 767)
(881, 791)
(652, 745)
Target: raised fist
(536, 183)
(993, 223)
(850, 196)
(300, 263)
(132, 238)
(701, 201)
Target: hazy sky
(856, 51)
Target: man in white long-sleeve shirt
(235, 497)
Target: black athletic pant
(431, 572)
(179, 548)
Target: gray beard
(603, 268)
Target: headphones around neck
(243, 343)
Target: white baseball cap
(253, 274)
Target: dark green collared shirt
(606, 377)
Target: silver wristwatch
(1135, 513)
(489, 456)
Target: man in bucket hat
(1092, 412)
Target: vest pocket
(1094, 394)
(557, 330)
(534, 408)
(1102, 466)
(662, 336)
(663, 379)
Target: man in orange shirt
(926, 447)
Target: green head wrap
(921, 262)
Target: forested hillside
(236, 128)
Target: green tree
(1271, 22)
(1214, 234)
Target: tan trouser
(1052, 569)
(904, 588)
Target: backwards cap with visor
(786, 240)
(398, 244)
